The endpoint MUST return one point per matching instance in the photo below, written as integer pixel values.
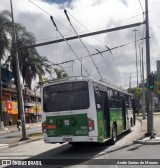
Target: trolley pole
(149, 93)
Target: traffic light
(151, 82)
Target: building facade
(32, 105)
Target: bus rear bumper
(70, 139)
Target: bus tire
(114, 134)
(131, 122)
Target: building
(32, 101)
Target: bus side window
(117, 99)
(97, 100)
(111, 98)
(127, 101)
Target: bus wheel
(131, 122)
(114, 134)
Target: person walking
(10, 122)
(18, 125)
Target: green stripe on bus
(75, 125)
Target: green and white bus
(85, 110)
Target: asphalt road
(39, 150)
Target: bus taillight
(44, 127)
(90, 124)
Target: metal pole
(18, 83)
(1, 110)
(149, 94)
(136, 55)
(81, 68)
(36, 108)
(143, 91)
(84, 35)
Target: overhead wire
(48, 14)
(141, 5)
(79, 23)
(55, 19)
(88, 31)
(123, 45)
(65, 11)
(68, 44)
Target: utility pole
(135, 30)
(149, 93)
(143, 87)
(18, 84)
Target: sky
(86, 16)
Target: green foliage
(157, 84)
(137, 93)
(60, 73)
(31, 63)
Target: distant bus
(85, 110)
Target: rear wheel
(114, 134)
(131, 122)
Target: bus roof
(82, 78)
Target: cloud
(95, 15)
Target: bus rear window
(66, 96)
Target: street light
(135, 30)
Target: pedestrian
(18, 125)
(10, 122)
(32, 120)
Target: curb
(23, 142)
(152, 142)
(143, 140)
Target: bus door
(105, 110)
(123, 111)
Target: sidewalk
(156, 129)
(13, 128)
(15, 141)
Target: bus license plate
(67, 139)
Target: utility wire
(88, 31)
(65, 11)
(105, 61)
(141, 5)
(123, 45)
(68, 44)
(78, 22)
(48, 14)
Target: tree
(60, 73)
(31, 63)
(5, 27)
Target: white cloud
(95, 15)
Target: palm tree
(31, 63)
(60, 73)
(5, 27)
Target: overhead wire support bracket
(51, 17)
(65, 11)
(85, 35)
